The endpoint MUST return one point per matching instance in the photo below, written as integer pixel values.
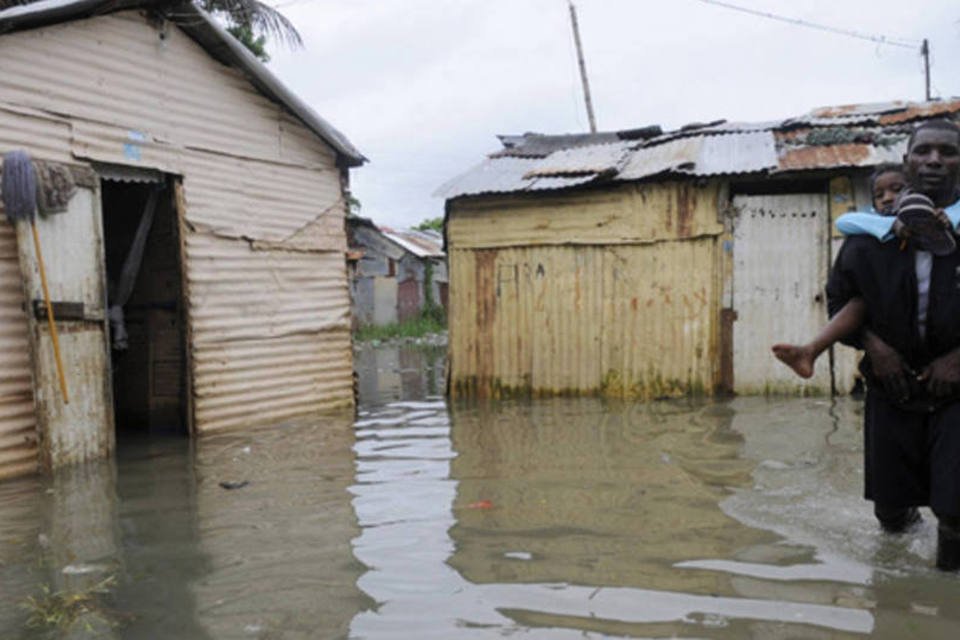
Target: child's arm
(860, 223)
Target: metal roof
(505, 175)
(826, 138)
(207, 32)
(423, 244)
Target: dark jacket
(884, 275)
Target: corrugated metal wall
(271, 333)
(262, 193)
(588, 309)
(18, 437)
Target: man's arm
(886, 365)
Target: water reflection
(154, 547)
(393, 372)
(565, 518)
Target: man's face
(933, 164)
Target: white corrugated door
(780, 259)
(72, 247)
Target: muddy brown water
(566, 518)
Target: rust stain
(835, 112)
(633, 303)
(921, 111)
(686, 205)
(725, 383)
(486, 291)
(839, 155)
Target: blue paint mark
(131, 152)
(728, 246)
(136, 136)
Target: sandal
(916, 213)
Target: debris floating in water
(227, 484)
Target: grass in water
(58, 610)
(425, 324)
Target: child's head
(886, 183)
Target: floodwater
(566, 518)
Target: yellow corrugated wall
(616, 295)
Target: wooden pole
(583, 68)
(51, 322)
(925, 52)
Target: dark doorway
(147, 339)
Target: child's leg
(801, 358)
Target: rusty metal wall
(623, 319)
(635, 213)
(262, 193)
(18, 438)
(631, 321)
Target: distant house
(645, 263)
(394, 274)
(239, 314)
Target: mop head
(55, 187)
(19, 186)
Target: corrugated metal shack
(394, 272)
(646, 263)
(240, 313)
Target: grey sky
(422, 87)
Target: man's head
(932, 161)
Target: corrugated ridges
(271, 333)
(18, 446)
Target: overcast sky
(422, 87)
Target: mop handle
(50, 319)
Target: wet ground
(567, 518)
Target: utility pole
(583, 68)
(925, 52)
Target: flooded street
(563, 518)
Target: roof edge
(201, 27)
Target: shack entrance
(145, 302)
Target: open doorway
(142, 248)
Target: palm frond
(260, 17)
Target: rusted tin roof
(826, 138)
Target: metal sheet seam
(602, 245)
(338, 203)
(23, 110)
(72, 120)
(254, 244)
(343, 322)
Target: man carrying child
(911, 336)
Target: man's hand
(888, 367)
(943, 375)
(943, 219)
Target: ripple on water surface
(565, 518)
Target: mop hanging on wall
(19, 188)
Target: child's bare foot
(798, 358)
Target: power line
(879, 39)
